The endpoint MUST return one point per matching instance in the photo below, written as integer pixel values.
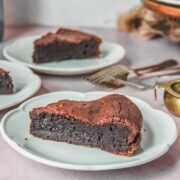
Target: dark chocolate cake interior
(67, 129)
(6, 86)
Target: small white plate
(25, 82)
(155, 139)
(21, 51)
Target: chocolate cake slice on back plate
(112, 123)
(6, 85)
(65, 44)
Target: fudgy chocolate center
(109, 137)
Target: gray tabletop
(138, 53)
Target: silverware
(170, 71)
(163, 65)
(135, 85)
(116, 75)
(143, 86)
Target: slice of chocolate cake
(6, 85)
(65, 44)
(112, 123)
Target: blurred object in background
(145, 23)
(167, 7)
(86, 13)
(1, 20)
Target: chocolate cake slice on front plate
(65, 44)
(111, 123)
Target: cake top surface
(3, 72)
(117, 109)
(67, 35)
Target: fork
(121, 71)
(116, 75)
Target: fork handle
(163, 65)
(132, 84)
(172, 71)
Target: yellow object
(171, 95)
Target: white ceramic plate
(21, 51)
(155, 139)
(26, 83)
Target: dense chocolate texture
(6, 85)
(112, 123)
(65, 44)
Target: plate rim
(59, 71)
(31, 91)
(99, 167)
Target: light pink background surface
(101, 13)
(13, 166)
